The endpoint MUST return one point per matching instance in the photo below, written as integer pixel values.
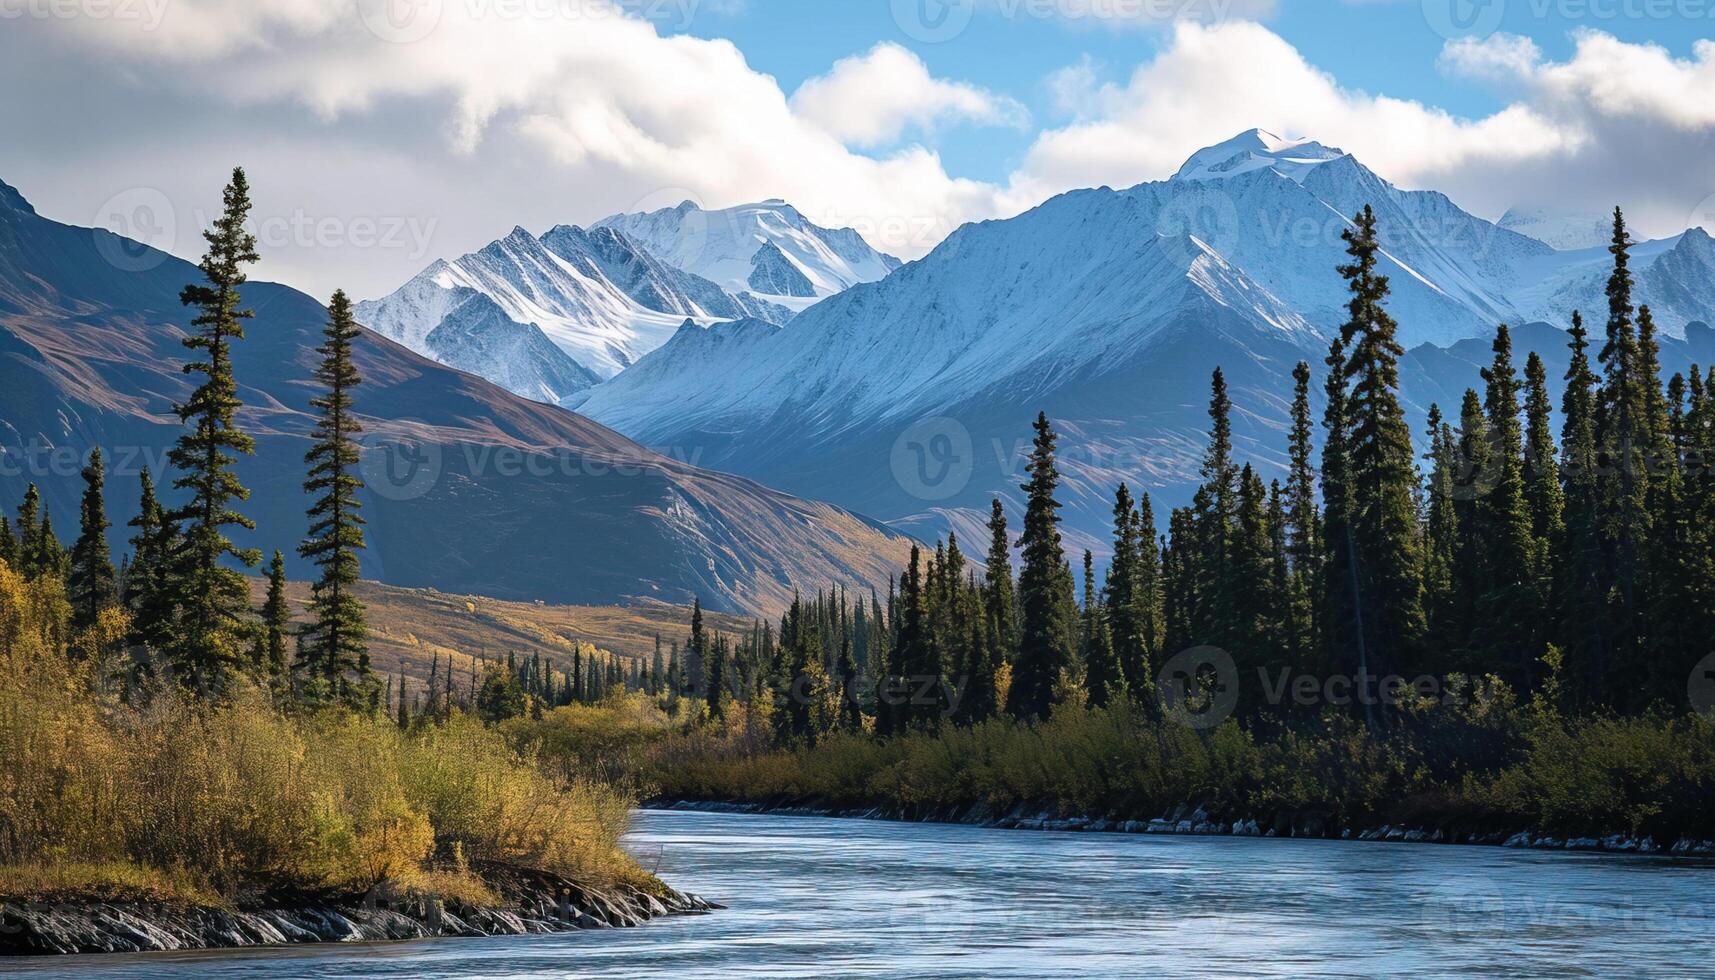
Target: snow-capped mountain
(769, 249)
(598, 299)
(1107, 309)
(1565, 231)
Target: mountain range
(472, 489)
(549, 317)
(909, 398)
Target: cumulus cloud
(1617, 122)
(536, 112)
(869, 100)
(499, 113)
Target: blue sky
(1379, 46)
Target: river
(827, 898)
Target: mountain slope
(909, 398)
(509, 498)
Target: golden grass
(97, 795)
(103, 881)
(409, 628)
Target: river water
(826, 898)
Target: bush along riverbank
(1195, 821)
(1480, 768)
(526, 902)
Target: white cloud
(1617, 122)
(1498, 57)
(486, 121)
(868, 100)
(1075, 89)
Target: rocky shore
(1193, 820)
(534, 902)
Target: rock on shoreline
(1186, 819)
(539, 903)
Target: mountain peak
(1257, 149)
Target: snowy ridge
(722, 246)
(1257, 149)
(601, 299)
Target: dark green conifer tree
(1441, 554)
(273, 664)
(1507, 628)
(148, 580)
(93, 583)
(334, 645)
(1046, 645)
(1579, 558)
(1304, 527)
(1623, 410)
(1000, 603)
(1383, 467)
(716, 678)
(207, 639)
(30, 533)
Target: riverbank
(1194, 821)
(532, 902)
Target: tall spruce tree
(1046, 644)
(333, 647)
(93, 584)
(1508, 609)
(1543, 492)
(149, 591)
(1580, 559)
(273, 662)
(1304, 526)
(1147, 602)
(1383, 521)
(49, 556)
(1441, 553)
(30, 533)
(207, 641)
(715, 697)
(1124, 587)
(1217, 514)
(999, 599)
(1623, 442)
(1344, 641)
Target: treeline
(1575, 564)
